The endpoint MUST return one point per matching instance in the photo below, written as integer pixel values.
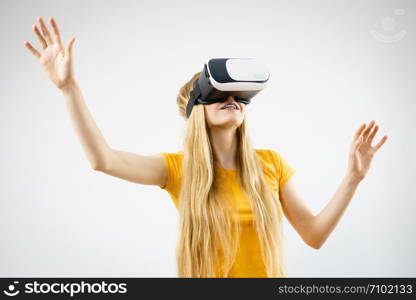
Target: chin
(229, 122)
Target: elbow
(311, 238)
(96, 166)
(314, 244)
(100, 162)
(314, 238)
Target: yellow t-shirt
(277, 171)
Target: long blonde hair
(206, 228)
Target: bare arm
(315, 230)
(57, 63)
(93, 142)
(143, 169)
(129, 166)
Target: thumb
(68, 48)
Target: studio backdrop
(333, 65)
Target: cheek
(210, 111)
(209, 114)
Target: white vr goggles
(242, 78)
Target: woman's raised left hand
(362, 153)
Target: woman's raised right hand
(56, 61)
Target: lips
(232, 103)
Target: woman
(230, 196)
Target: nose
(229, 99)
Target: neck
(224, 145)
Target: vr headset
(242, 78)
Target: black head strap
(193, 100)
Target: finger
(358, 132)
(45, 31)
(357, 144)
(368, 128)
(56, 32)
(372, 134)
(32, 49)
(68, 49)
(379, 144)
(40, 37)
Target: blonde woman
(231, 198)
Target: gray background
(329, 73)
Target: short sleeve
(284, 169)
(173, 164)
